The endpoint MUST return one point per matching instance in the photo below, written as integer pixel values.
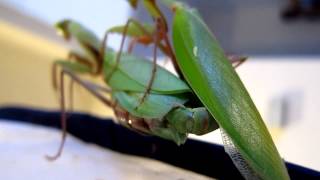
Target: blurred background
(281, 37)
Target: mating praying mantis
(149, 99)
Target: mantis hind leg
(166, 48)
(124, 35)
(146, 39)
(63, 120)
(172, 55)
(125, 30)
(72, 56)
(154, 67)
(94, 89)
(79, 60)
(159, 34)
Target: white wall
(98, 15)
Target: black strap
(200, 157)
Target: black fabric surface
(200, 157)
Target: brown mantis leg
(125, 30)
(146, 40)
(54, 76)
(132, 43)
(124, 34)
(100, 88)
(103, 51)
(71, 56)
(167, 48)
(70, 87)
(160, 29)
(63, 119)
(172, 56)
(77, 58)
(91, 88)
(154, 67)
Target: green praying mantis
(147, 98)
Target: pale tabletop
(23, 147)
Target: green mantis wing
(133, 74)
(219, 88)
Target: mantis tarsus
(149, 99)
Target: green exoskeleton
(205, 67)
(151, 100)
(164, 112)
